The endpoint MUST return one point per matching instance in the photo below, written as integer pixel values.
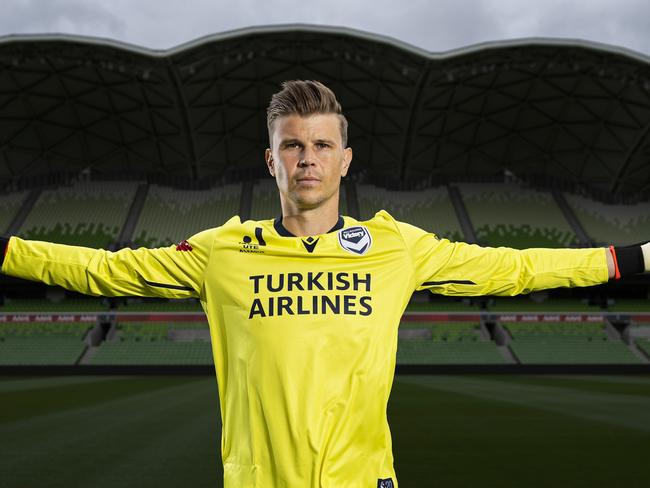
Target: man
(304, 309)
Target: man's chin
(308, 200)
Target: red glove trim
(617, 272)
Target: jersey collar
(282, 230)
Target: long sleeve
(171, 272)
(458, 268)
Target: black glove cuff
(630, 260)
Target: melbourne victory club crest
(356, 240)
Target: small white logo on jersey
(356, 239)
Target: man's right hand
(646, 256)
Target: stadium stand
(160, 306)
(441, 304)
(441, 343)
(9, 206)
(84, 214)
(638, 335)
(39, 306)
(428, 209)
(630, 305)
(406, 133)
(525, 304)
(146, 343)
(507, 214)
(170, 215)
(266, 202)
(566, 343)
(609, 223)
(644, 345)
(37, 343)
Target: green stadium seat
(35, 330)
(149, 343)
(161, 306)
(607, 223)
(10, 204)
(525, 304)
(429, 209)
(644, 345)
(67, 305)
(566, 343)
(42, 343)
(153, 353)
(266, 203)
(447, 343)
(505, 214)
(170, 215)
(85, 214)
(630, 305)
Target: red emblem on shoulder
(184, 246)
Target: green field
(448, 431)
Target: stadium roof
(565, 109)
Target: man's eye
(322, 145)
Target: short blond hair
(305, 97)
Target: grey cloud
(438, 25)
(59, 16)
(622, 23)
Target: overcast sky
(435, 25)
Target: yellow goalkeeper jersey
(304, 329)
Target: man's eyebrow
(292, 140)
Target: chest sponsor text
(312, 293)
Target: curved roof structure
(569, 110)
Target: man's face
(307, 158)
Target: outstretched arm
(171, 272)
(457, 268)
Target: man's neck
(310, 222)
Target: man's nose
(306, 157)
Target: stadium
(527, 143)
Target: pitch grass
(448, 431)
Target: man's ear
(347, 159)
(268, 156)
